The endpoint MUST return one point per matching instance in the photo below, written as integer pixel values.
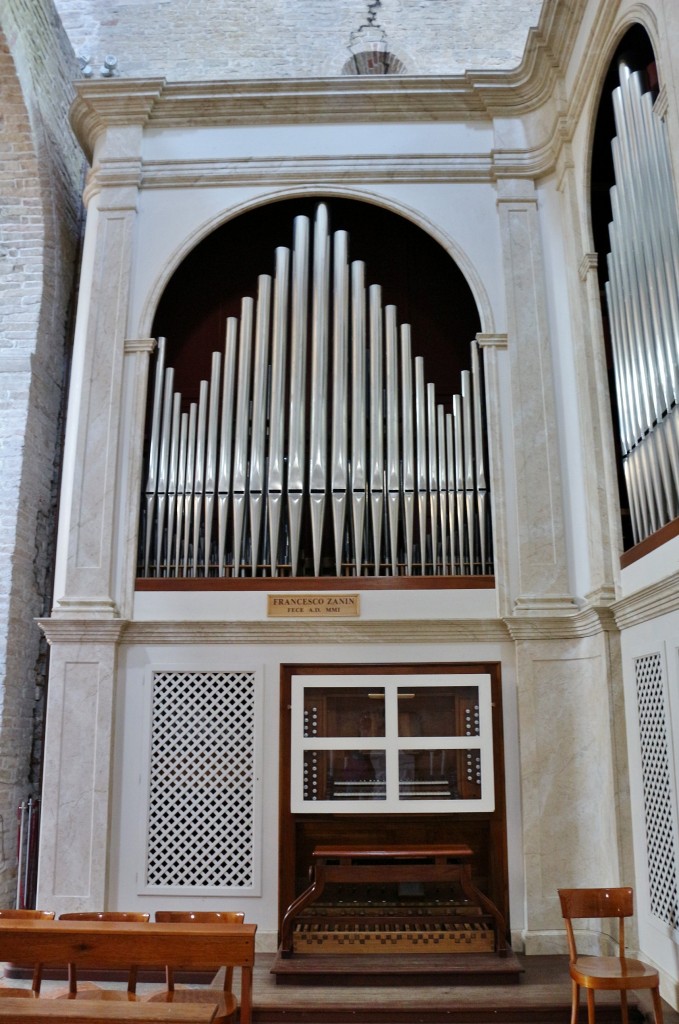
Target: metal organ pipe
(392, 475)
(237, 481)
(225, 440)
(152, 478)
(279, 339)
(358, 397)
(376, 471)
(408, 449)
(256, 475)
(642, 294)
(339, 441)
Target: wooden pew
(56, 1011)
(116, 945)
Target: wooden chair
(605, 973)
(17, 915)
(88, 990)
(228, 1004)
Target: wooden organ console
(387, 902)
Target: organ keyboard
(392, 900)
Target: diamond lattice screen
(202, 781)
(656, 781)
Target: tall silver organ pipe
(317, 447)
(642, 294)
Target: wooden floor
(541, 997)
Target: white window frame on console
(391, 743)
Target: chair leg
(623, 1006)
(591, 1012)
(657, 1005)
(575, 1001)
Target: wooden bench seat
(35, 1011)
(118, 945)
(89, 1012)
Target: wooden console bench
(119, 945)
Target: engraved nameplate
(312, 606)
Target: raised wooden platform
(373, 969)
(541, 997)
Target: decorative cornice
(344, 100)
(650, 602)
(584, 623)
(102, 104)
(298, 632)
(82, 631)
(157, 103)
(361, 169)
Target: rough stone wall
(185, 40)
(40, 184)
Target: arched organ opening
(317, 447)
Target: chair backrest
(104, 915)
(28, 915)
(200, 917)
(596, 903)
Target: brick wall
(40, 182)
(191, 39)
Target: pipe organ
(317, 446)
(643, 301)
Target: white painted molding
(587, 622)
(660, 598)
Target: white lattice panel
(202, 782)
(657, 789)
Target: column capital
(140, 345)
(499, 341)
(82, 631)
(516, 191)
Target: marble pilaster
(573, 778)
(74, 831)
(540, 535)
(85, 554)
(106, 405)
